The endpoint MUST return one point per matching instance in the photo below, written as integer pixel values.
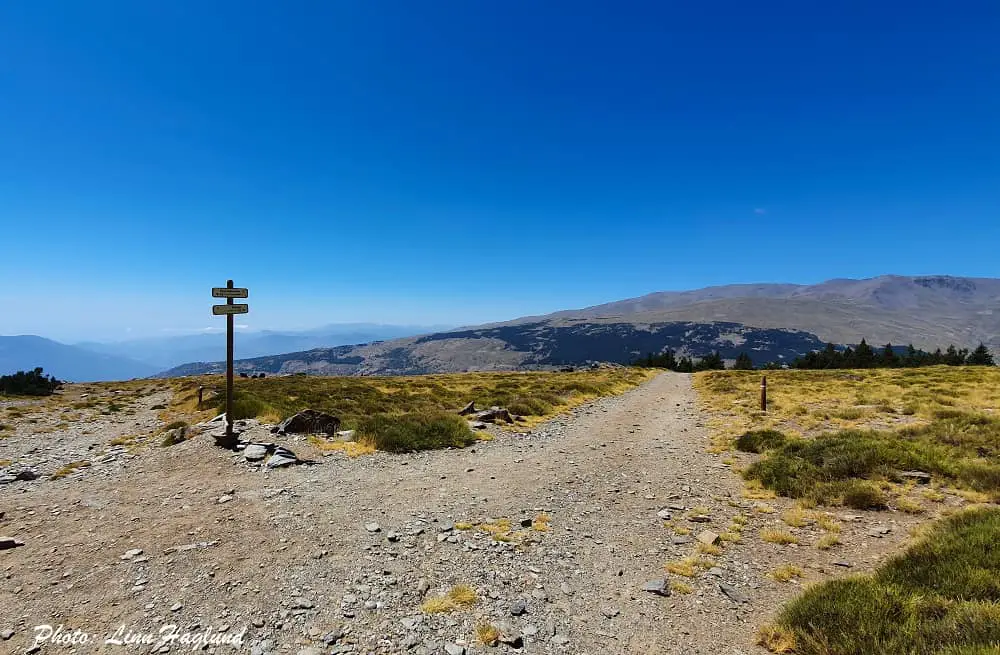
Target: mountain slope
(69, 363)
(929, 311)
(527, 346)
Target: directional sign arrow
(222, 310)
(223, 292)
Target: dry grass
(909, 505)
(687, 567)
(776, 639)
(786, 572)
(827, 541)
(541, 523)
(804, 403)
(708, 549)
(69, 468)
(778, 537)
(679, 587)
(459, 597)
(487, 634)
(797, 518)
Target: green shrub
(416, 431)
(28, 383)
(244, 406)
(940, 596)
(862, 495)
(758, 441)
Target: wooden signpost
(228, 310)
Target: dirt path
(285, 557)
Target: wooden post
(763, 393)
(230, 439)
(201, 392)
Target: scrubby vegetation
(28, 383)
(414, 412)
(961, 447)
(668, 360)
(941, 596)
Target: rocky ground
(561, 535)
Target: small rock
(658, 587)
(454, 649)
(509, 635)
(843, 563)
(709, 538)
(664, 514)
(920, 477)
(10, 542)
(301, 603)
(373, 527)
(392, 536)
(560, 640)
(733, 593)
(680, 540)
(566, 589)
(129, 554)
(282, 457)
(700, 518)
(176, 607)
(6, 634)
(518, 607)
(309, 650)
(610, 612)
(224, 499)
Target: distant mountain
(164, 352)
(769, 321)
(929, 311)
(536, 345)
(68, 363)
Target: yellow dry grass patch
(778, 537)
(363, 446)
(461, 596)
(487, 634)
(776, 639)
(680, 587)
(827, 541)
(786, 572)
(69, 468)
(687, 567)
(541, 523)
(804, 403)
(708, 549)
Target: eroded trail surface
(292, 559)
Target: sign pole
(229, 371)
(228, 438)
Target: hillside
(929, 311)
(527, 346)
(25, 352)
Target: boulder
(709, 538)
(494, 414)
(468, 409)
(920, 477)
(255, 452)
(282, 457)
(660, 587)
(309, 421)
(9, 542)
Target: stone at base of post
(226, 438)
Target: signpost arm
(229, 372)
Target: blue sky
(459, 162)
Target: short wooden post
(201, 391)
(763, 393)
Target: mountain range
(89, 361)
(771, 322)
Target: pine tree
(743, 363)
(981, 356)
(889, 358)
(952, 357)
(864, 356)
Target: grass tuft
(778, 537)
(786, 572)
(942, 595)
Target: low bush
(417, 431)
(757, 441)
(940, 596)
(28, 383)
(961, 447)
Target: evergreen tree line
(30, 383)
(668, 359)
(864, 356)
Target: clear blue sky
(458, 162)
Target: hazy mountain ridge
(69, 363)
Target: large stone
(468, 409)
(920, 477)
(494, 414)
(709, 538)
(347, 435)
(282, 457)
(255, 452)
(309, 421)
